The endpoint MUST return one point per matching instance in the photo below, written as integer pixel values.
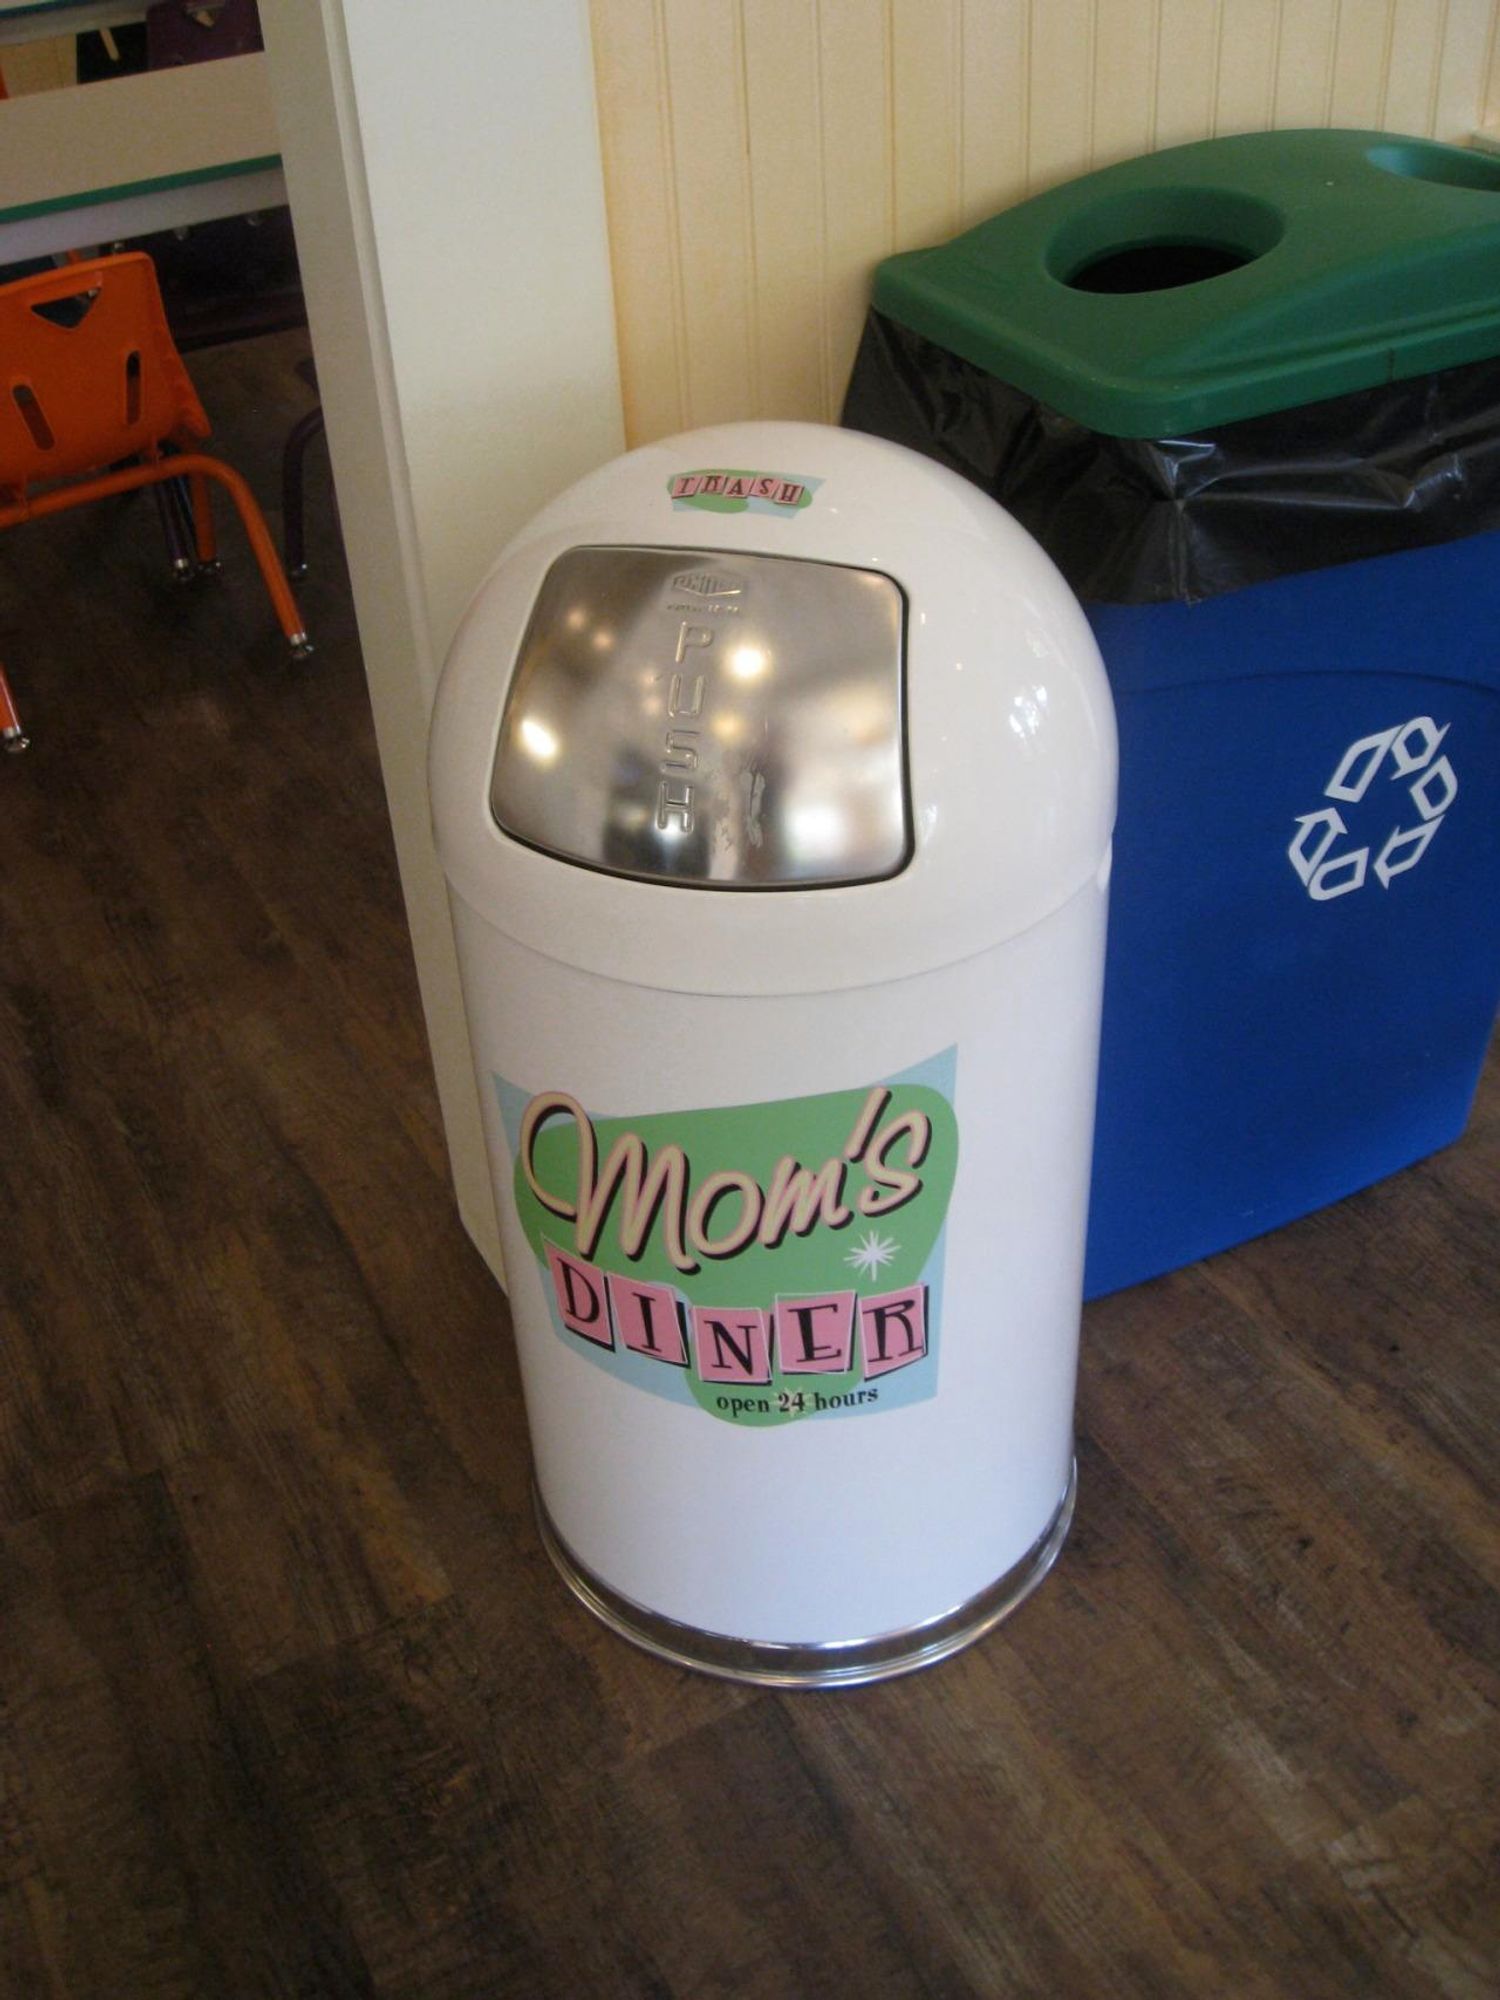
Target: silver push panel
(709, 719)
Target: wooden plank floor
(290, 1700)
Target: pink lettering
(893, 1330)
(579, 1289)
(647, 1319)
(731, 1343)
(815, 1336)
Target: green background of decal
(750, 1139)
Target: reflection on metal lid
(708, 718)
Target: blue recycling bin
(1247, 394)
(1304, 949)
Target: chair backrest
(88, 371)
(193, 31)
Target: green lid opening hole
(1449, 166)
(1158, 267)
(1160, 239)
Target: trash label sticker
(766, 1262)
(722, 490)
(1328, 859)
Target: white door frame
(446, 187)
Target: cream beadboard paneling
(858, 189)
(1187, 69)
(1304, 61)
(1361, 60)
(1245, 77)
(645, 237)
(782, 75)
(1060, 82)
(1127, 52)
(761, 156)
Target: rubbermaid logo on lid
(722, 490)
(708, 583)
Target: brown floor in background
(290, 1700)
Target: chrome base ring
(814, 1664)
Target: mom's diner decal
(767, 1262)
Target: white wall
(446, 191)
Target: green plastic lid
(1222, 280)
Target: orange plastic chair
(95, 401)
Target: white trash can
(773, 773)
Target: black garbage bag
(1154, 520)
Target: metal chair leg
(203, 524)
(179, 545)
(182, 527)
(12, 735)
(198, 468)
(293, 453)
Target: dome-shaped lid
(771, 708)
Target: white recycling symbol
(1411, 750)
